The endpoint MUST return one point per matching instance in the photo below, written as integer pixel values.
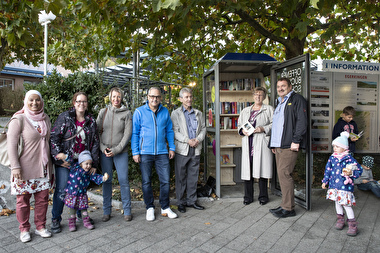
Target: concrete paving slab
(226, 225)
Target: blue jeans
(162, 165)
(121, 164)
(373, 186)
(61, 177)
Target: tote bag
(4, 159)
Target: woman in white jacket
(257, 158)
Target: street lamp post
(44, 20)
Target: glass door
(298, 71)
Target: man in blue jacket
(152, 132)
(288, 136)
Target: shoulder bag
(104, 116)
(4, 158)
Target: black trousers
(263, 188)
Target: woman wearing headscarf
(31, 172)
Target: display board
(344, 84)
(321, 106)
(359, 91)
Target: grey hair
(154, 88)
(185, 90)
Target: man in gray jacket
(189, 131)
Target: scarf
(340, 155)
(37, 116)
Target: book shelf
(227, 90)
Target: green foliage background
(57, 92)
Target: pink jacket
(30, 161)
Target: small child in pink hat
(340, 168)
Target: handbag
(4, 158)
(75, 135)
(104, 116)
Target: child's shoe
(340, 222)
(87, 224)
(352, 227)
(72, 225)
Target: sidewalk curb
(98, 199)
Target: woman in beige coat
(257, 158)
(31, 173)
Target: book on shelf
(248, 127)
(356, 135)
(228, 123)
(233, 107)
(238, 84)
(225, 121)
(225, 159)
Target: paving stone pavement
(226, 225)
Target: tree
(281, 28)
(184, 37)
(20, 33)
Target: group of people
(77, 143)
(282, 131)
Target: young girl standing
(341, 169)
(76, 189)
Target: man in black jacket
(287, 137)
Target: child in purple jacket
(76, 189)
(341, 169)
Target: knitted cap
(84, 156)
(342, 140)
(368, 161)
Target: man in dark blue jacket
(287, 137)
(152, 131)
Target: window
(4, 83)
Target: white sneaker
(168, 213)
(25, 236)
(150, 214)
(43, 232)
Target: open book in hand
(248, 127)
(356, 135)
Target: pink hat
(342, 140)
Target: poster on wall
(359, 91)
(321, 106)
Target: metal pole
(45, 49)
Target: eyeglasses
(154, 97)
(81, 102)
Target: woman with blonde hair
(115, 128)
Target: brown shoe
(106, 218)
(128, 217)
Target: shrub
(10, 101)
(57, 92)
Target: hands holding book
(248, 129)
(355, 137)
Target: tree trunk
(294, 48)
